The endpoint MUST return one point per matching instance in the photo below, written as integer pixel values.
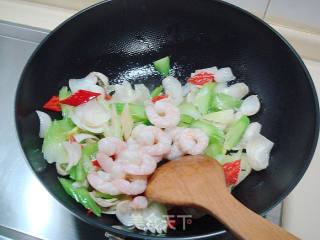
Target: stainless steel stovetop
(27, 210)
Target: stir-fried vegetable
(214, 133)
(79, 97)
(56, 134)
(53, 104)
(112, 137)
(235, 132)
(157, 91)
(204, 97)
(81, 195)
(223, 101)
(162, 66)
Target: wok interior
(121, 38)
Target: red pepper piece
(71, 139)
(89, 212)
(79, 97)
(53, 104)
(201, 78)
(96, 163)
(107, 97)
(158, 98)
(231, 172)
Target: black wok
(121, 38)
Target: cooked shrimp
(137, 162)
(130, 187)
(110, 166)
(105, 162)
(193, 141)
(139, 202)
(175, 152)
(153, 140)
(163, 114)
(111, 145)
(103, 182)
(174, 132)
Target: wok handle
(244, 223)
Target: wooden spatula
(199, 181)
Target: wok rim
(123, 233)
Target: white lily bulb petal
(84, 136)
(252, 130)
(173, 89)
(45, 122)
(124, 213)
(104, 202)
(87, 83)
(73, 150)
(90, 116)
(123, 92)
(102, 78)
(224, 75)
(141, 93)
(224, 116)
(250, 106)
(238, 90)
(258, 152)
(220, 87)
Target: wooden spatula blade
(199, 181)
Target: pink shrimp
(153, 140)
(111, 145)
(193, 141)
(103, 182)
(110, 166)
(139, 202)
(130, 187)
(163, 114)
(175, 152)
(136, 162)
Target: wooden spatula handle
(244, 223)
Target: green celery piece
(162, 66)
(214, 150)
(104, 195)
(73, 173)
(89, 149)
(235, 132)
(119, 107)
(204, 97)
(137, 111)
(157, 91)
(116, 124)
(190, 110)
(186, 119)
(183, 125)
(67, 186)
(87, 201)
(223, 101)
(56, 134)
(87, 153)
(81, 195)
(215, 134)
(65, 109)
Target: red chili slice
(158, 98)
(107, 97)
(96, 163)
(201, 78)
(53, 104)
(79, 97)
(231, 172)
(71, 139)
